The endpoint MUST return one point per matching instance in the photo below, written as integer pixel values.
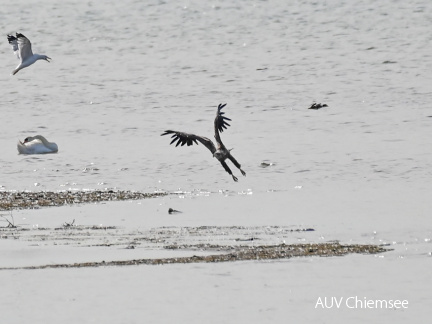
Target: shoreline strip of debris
(257, 253)
(28, 199)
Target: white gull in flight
(22, 48)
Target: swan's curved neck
(42, 139)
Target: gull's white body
(36, 145)
(22, 48)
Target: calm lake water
(122, 72)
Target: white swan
(22, 48)
(36, 145)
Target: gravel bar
(243, 253)
(28, 199)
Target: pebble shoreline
(28, 199)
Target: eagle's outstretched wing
(189, 139)
(220, 123)
(220, 120)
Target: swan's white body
(22, 48)
(36, 145)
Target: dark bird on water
(317, 106)
(220, 152)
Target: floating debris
(11, 222)
(29, 199)
(316, 106)
(265, 164)
(66, 224)
(243, 253)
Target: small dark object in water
(316, 106)
(172, 211)
(220, 152)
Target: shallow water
(123, 72)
